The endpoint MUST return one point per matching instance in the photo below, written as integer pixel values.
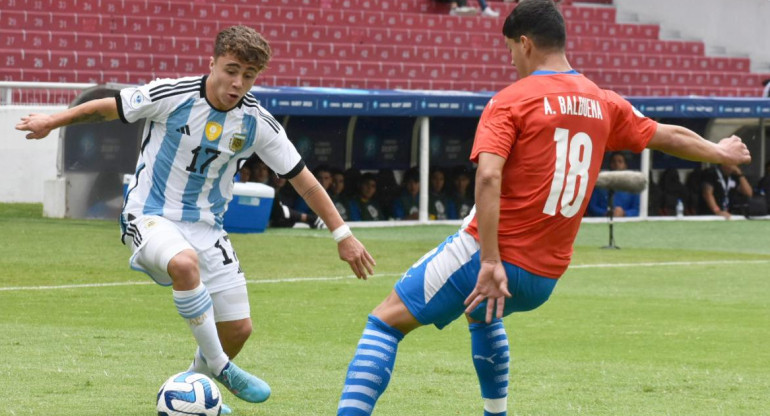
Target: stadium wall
(25, 165)
(733, 28)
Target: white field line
(150, 282)
(668, 263)
(335, 278)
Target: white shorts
(231, 304)
(155, 240)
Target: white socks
(196, 307)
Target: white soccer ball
(189, 393)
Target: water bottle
(679, 208)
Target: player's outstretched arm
(492, 282)
(686, 144)
(39, 125)
(350, 249)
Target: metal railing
(40, 93)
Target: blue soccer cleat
(243, 385)
(225, 410)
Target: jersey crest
(237, 141)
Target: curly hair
(245, 43)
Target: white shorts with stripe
(155, 240)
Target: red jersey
(553, 130)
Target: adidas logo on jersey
(184, 130)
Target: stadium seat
(11, 74)
(13, 5)
(184, 45)
(16, 19)
(42, 75)
(12, 39)
(25, 59)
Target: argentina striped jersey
(190, 150)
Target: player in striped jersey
(197, 131)
(539, 147)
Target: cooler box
(126, 181)
(249, 211)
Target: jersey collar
(203, 94)
(546, 72)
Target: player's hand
(352, 251)
(491, 285)
(735, 151)
(36, 124)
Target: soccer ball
(189, 393)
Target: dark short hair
(246, 44)
(322, 168)
(539, 20)
(366, 177)
(619, 153)
(461, 171)
(412, 174)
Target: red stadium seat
(20, 5)
(13, 39)
(11, 74)
(588, 14)
(188, 45)
(699, 78)
(41, 75)
(25, 58)
(16, 19)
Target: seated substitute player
(625, 204)
(198, 129)
(539, 147)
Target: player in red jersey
(539, 147)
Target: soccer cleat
(243, 385)
(225, 410)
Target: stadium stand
(373, 44)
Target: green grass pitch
(677, 322)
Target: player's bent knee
(243, 331)
(236, 331)
(233, 335)
(394, 312)
(184, 266)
